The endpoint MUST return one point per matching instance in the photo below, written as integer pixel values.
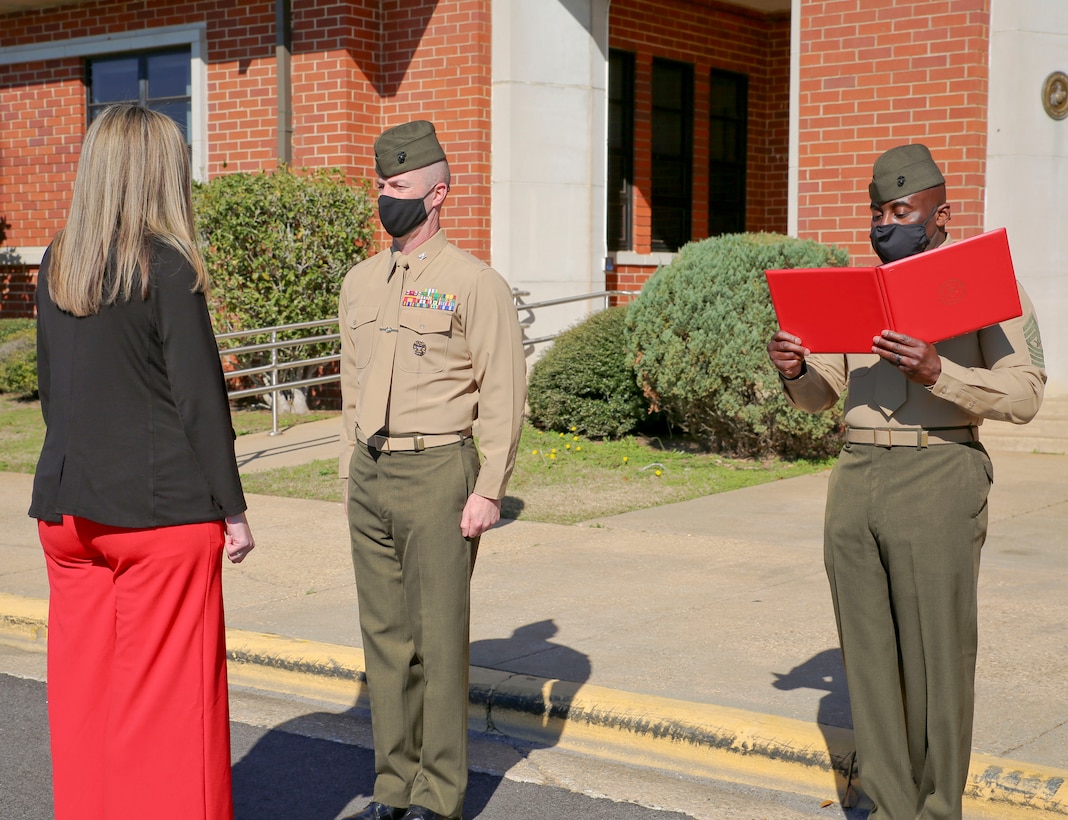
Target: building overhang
(13, 6)
(766, 6)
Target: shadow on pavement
(286, 774)
(825, 672)
(300, 778)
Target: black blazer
(139, 432)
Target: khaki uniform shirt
(459, 354)
(994, 373)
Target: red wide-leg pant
(137, 699)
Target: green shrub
(698, 335)
(16, 327)
(277, 246)
(585, 381)
(18, 357)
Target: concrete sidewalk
(698, 636)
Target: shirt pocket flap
(422, 320)
(362, 315)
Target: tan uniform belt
(910, 436)
(410, 443)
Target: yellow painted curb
(23, 621)
(688, 739)
(696, 740)
(320, 671)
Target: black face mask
(893, 242)
(401, 216)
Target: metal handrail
(275, 367)
(563, 300)
(274, 345)
(236, 334)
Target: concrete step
(1047, 433)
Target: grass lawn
(565, 479)
(22, 429)
(21, 434)
(559, 478)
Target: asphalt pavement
(695, 637)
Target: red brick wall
(242, 119)
(878, 73)
(17, 286)
(358, 66)
(42, 111)
(438, 68)
(716, 36)
(336, 112)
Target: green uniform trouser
(903, 533)
(413, 570)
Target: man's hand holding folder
(957, 288)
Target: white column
(550, 75)
(1027, 162)
(794, 161)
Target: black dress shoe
(422, 813)
(380, 811)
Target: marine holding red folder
(906, 508)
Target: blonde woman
(136, 491)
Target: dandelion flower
(657, 473)
(567, 446)
(626, 459)
(533, 452)
(578, 448)
(552, 455)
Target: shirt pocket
(423, 345)
(362, 324)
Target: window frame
(738, 121)
(158, 39)
(93, 109)
(680, 162)
(620, 153)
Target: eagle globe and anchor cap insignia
(407, 147)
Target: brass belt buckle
(380, 443)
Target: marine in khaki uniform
(906, 509)
(430, 343)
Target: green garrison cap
(902, 171)
(407, 147)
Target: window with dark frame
(672, 154)
(160, 80)
(727, 154)
(620, 150)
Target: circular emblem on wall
(1055, 95)
(951, 291)
(419, 348)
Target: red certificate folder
(935, 295)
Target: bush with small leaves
(698, 335)
(585, 383)
(18, 357)
(278, 245)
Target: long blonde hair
(132, 186)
